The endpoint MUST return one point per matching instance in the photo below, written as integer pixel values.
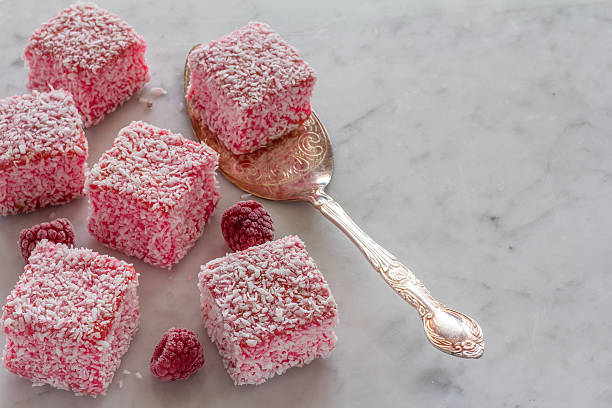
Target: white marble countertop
(472, 139)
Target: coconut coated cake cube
(43, 151)
(249, 87)
(267, 308)
(92, 54)
(70, 318)
(152, 193)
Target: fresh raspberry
(177, 355)
(59, 231)
(245, 224)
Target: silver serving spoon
(299, 166)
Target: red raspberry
(177, 355)
(245, 224)
(59, 231)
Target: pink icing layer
(91, 53)
(152, 193)
(250, 87)
(70, 318)
(43, 151)
(267, 308)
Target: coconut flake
(158, 91)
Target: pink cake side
(250, 87)
(91, 53)
(70, 318)
(152, 193)
(43, 151)
(267, 308)
(161, 238)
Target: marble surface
(472, 139)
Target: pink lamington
(70, 318)
(268, 308)
(152, 193)
(43, 151)
(91, 53)
(249, 87)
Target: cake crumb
(120, 383)
(127, 372)
(146, 101)
(138, 375)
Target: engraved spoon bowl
(298, 166)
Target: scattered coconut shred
(159, 91)
(156, 92)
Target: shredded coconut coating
(268, 308)
(90, 52)
(70, 318)
(151, 193)
(250, 87)
(43, 151)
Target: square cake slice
(267, 308)
(43, 151)
(249, 87)
(152, 193)
(70, 318)
(92, 54)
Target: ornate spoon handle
(448, 330)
